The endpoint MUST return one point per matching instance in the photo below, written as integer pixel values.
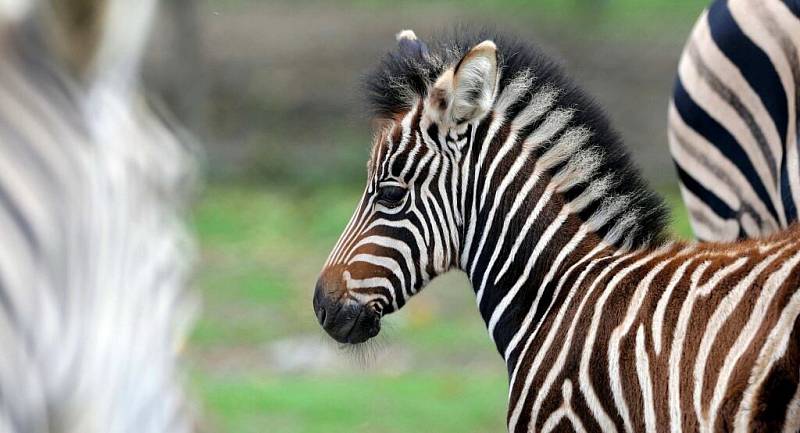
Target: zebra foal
(489, 160)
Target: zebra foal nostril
(376, 307)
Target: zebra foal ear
(466, 92)
(410, 45)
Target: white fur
(406, 34)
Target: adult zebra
(94, 255)
(488, 159)
(733, 119)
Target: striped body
(682, 338)
(733, 119)
(95, 256)
(603, 323)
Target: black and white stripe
(733, 119)
(94, 256)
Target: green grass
(261, 250)
(680, 219)
(361, 403)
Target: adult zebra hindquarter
(488, 159)
(733, 119)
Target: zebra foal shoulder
(733, 119)
(94, 255)
(491, 161)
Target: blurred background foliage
(270, 88)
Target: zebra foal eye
(390, 195)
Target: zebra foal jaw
(488, 159)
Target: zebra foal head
(408, 226)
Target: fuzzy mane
(406, 73)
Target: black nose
(343, 318)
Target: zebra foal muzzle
(344, 318)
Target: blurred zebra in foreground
(488, 159)
(733, 119)
(93, 251)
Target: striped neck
(545, 183)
